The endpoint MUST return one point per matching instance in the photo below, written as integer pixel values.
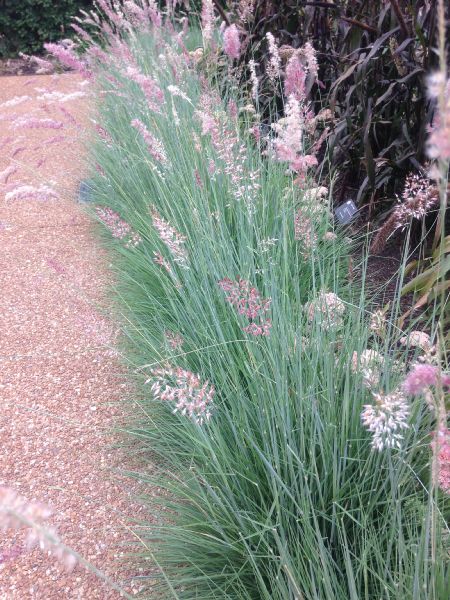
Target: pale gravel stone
(60, 381)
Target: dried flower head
(419, 196)
(327, 310)
(378, 323)
(417, 339)
(191, 397)
(386, 419)
(369, 365)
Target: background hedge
(26, 24)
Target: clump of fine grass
(279, 494)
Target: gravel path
(60, 388)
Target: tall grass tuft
(247, 339)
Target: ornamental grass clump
(289, 459)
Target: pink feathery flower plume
(295, 79)
(171, 238)
(248, 302)
(148, 85)
(139, 16)
(44, 66)
(113, 14)
(154, 146)
(16, 512)
(289, 144)
(191, 397)
(439, 140)
(419, 196)
(35, 123)
(246, 9)
(231, 42)
(84, 35)
(308, 54)
(68, 58)
(97, 53)
(153, 12)
(229, 148)
(441, 449)
(207, 21)
(15, 101)
(304, 232)
(162, 262)
(274, 65)
(422, 376)
(119, 228)
(30, 192)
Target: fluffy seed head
(385, 419)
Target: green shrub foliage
(26, 24)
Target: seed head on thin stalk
(441, 452)
(191, 396)
(328, 309)
(386, 419)
(208, 20)
(369, 365)
(17, 513)
(248, 302)
(273, 69)
(419, 196)
(378, 323)
(171, 238)
(253, 79)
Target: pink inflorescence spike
(248, 302)
(441, 449)
(191, 397)
(30, 192)
(154, 146)
(231, 42)
(171, 238)
(119, 228)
